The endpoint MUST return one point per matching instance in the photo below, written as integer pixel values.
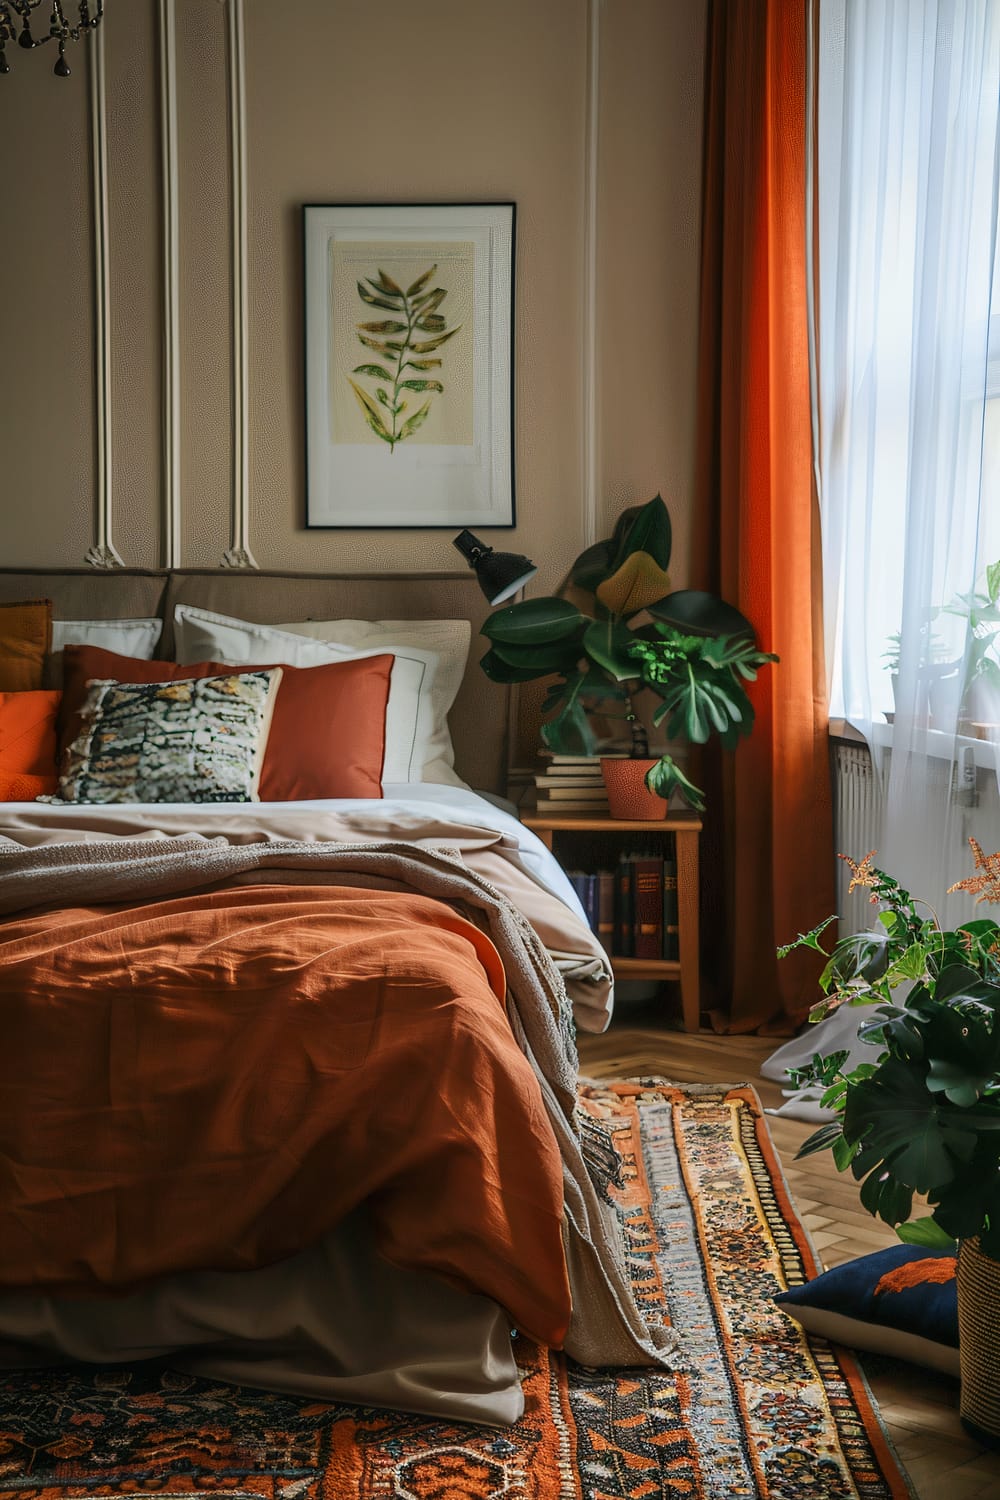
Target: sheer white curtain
(907, 423)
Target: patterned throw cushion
(25, 633)
(190, 740)
(27, 745)
(900, 1301)
(328, 730)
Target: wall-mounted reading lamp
(500, 574)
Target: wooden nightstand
(685, 828)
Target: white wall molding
(238, 554)
(171, 288)
(103, 553)
(589, 391)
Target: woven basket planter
(628, 794)
(979, 1342)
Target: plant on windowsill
(690, 649)
(923, 1120)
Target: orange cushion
(327, 734)
(25, 634)
(27, 745)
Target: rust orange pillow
(327, 734)
(25, 633)
(27, 745)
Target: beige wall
(470, 100)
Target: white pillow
(417, 743)
(126, 637)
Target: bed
(287, 1089)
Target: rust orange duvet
(214, 1081)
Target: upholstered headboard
(479, 718)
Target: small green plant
(693, 651)
(924, 1119)
(981, 610)
(415, 312)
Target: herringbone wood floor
(920, 1408)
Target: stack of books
(570, 784)
(633, 908)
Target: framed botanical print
(409, 365)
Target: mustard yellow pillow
(25, 633)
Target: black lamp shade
(500, 574)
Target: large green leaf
(666, 777)
(644, 529)
(498, 670)
(606, 642)
(593, 566)
(535, 622)
(700, 613)
(918, 1140)
(569, 732)
(926, 1233)
(560, 655)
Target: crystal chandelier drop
(60, 30)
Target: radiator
(857, 827)
(935, 839)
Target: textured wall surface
(453, 100)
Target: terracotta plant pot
(628, 794)
(978, 1336)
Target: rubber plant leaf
(535, 622)
(635, 585)
(553, 656)
(700, 613)
(644, 529)
(497, 670)
(606, 642)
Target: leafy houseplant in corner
(924, 1119)
(693, 651)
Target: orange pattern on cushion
(25, 634)
(327, 734)
(27, 745)
(916, 1273)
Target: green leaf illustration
(417, 287)
(376, 371)
(371, 411)
(419, 308)
(374, 300)
(412, 423)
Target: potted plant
(628, 631)
(980, 671)
(923, 1121)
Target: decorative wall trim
(591, 414)
(238, 554)
(171, 288)
(103, 553)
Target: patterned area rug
(756, 1412)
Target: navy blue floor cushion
(900, 1301)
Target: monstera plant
(615, 628)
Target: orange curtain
(757, 533)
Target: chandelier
(60, 29)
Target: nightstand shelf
(685, 828)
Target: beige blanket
(606, 1327)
